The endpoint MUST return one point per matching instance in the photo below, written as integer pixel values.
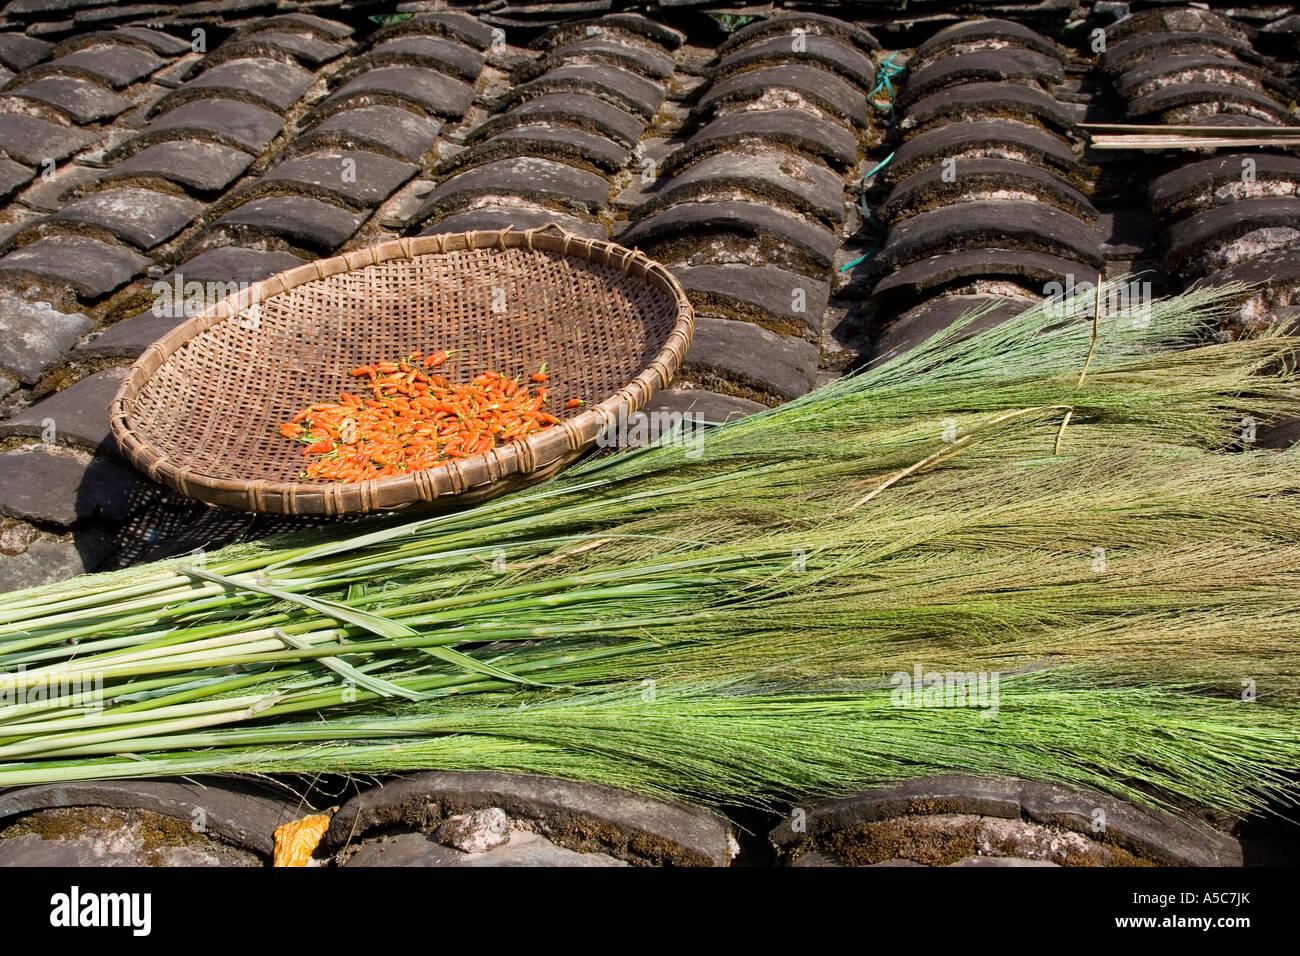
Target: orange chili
(407, 420)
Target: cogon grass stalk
(722, 622)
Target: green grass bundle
(733, 618)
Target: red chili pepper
(414, 421)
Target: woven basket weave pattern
(201, 409)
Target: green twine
(874, 169)
(866, 255)
(885, 75)
(878, 167)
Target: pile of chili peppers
(414, 418)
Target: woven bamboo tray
(200, 410)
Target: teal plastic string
(866, 255)
(874, 169)
(878, 167)
(863, 185)
(885, 75)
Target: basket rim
(534, 455)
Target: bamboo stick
(1233, 132)
(1187, 142)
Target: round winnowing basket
(201, 409)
